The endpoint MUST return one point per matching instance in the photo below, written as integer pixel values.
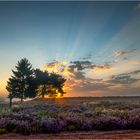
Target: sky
(94, 45)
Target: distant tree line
(27, 82)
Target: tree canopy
(50, 84)
(20, 85)
(28, 83)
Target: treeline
(27, 82)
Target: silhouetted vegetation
(20, 85)
(49, 83)
(29, 83)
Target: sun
(59, 95)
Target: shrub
(22, 127)
(51, 125)
(3, 122)
(110, 123)
(3, 131)
(134, 120)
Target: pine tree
(21, 84)
(11, 88)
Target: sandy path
(78, 135)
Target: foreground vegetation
(44, 116)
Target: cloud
(123, 53)
(88, 57)
(79, 82)
(81, 65)
(135, 62)
(89, 87)
(130, 73)
(75, 73)
(124, 78)
(55, 66)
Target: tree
(41, 80)
(50, 84)
(57, 84)
(21, 84)
(11, 88)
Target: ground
(129, 134)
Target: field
(84, 117)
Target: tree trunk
(42, 96)
(21, 100)
(10, 102)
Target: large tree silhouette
(49, 83)
(41, 81)
(57, 84)
(21, 84)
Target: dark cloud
(126, 79)
(135, 72)
(78, 75)
(88, 57)
(89, 86)
(81, 65)
(130, 73)
(53, 63)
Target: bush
(110, 123)
(3, 131)
(134, 120)
(22, 127)
(50, 118)
(51, 125)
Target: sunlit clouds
(123, 53)
(87, 77)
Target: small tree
(21, 84)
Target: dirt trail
(126, 135)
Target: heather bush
(52, 118)
(49, 114)
(77, 123)
(51, 125)
(134, 119)
(11, 125)
(5, 111)
(3, 122)
(35, 126)
(3, 131)
(110, 123)
(23, 127)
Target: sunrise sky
(95, 45)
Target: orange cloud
(135, 62)
(123, 53)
